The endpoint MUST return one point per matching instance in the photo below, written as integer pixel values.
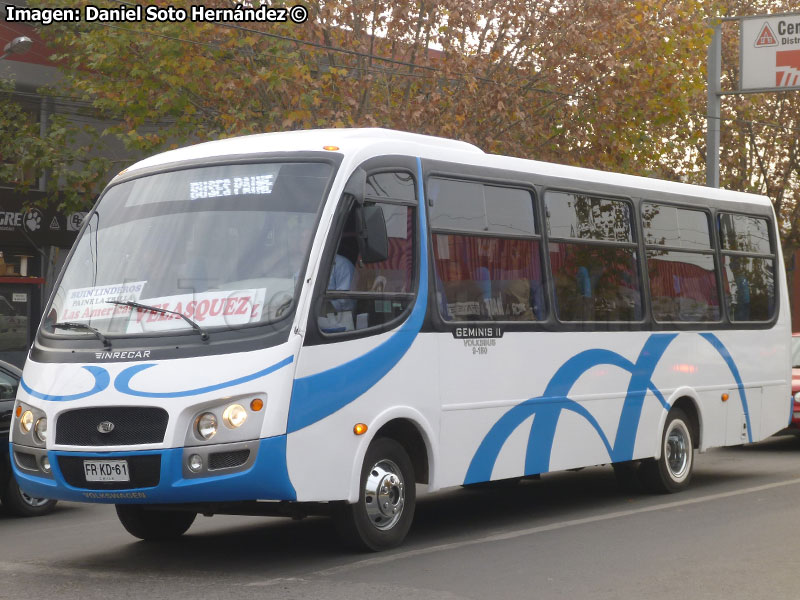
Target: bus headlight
(797, 397)
(206, 425)
(40, 430)
(234, 416)
(26, 421)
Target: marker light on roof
(331, 148)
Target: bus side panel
(324, 455)
(534, 402)
(547, 401)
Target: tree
(759, 144)
(68, 152)
(610, 84)
(603, 84)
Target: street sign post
(769, 61)
(769, 53)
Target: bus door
(362, 358)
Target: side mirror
(373, 241)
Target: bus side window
(337, 313)
(680, 264)
(593, 258)
(486, 252)
(748, 267)
(361, 295)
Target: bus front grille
(26, 461)
(227, 460)
(112, 426)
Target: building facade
(33, 241)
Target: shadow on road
(61, 508)
(231, 547)
(789, 442)
(278, 548)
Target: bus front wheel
(382, 516)
(17, 502)
(672, 471)
(154, 525)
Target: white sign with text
(87, 304)
(770, 52)
(207, 309)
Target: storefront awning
(22, 222)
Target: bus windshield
(223, 245)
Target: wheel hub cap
(677, 454)
(384, 494)
(32, 501)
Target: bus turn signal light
(359, 429)
(725, 397)
(257, 404)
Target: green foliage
(68, 154)
(760, 146)
(603, 84)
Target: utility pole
(713, 112)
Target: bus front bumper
(160, 477)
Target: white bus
(313, 322)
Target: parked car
(795, 422)
(14, 500)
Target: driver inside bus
(337, 314)
(341, 279)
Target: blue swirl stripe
(101, 381)
(122, 381)
(726, 355)
(318, 396)
(547, 410)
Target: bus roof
(348, 140)
(367, 142)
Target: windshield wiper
(84, 326)
(163, 311)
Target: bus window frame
(314, 334)
(540, 184)
(474, 176)
(711, 250)
(185, 343)
(773, 256)
(637, 236)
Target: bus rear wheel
(382, 516)
(672, 471)
(154, 525)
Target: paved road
(733, 535)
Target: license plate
(106, 470)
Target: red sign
(769, 53)
(787, 68)
(766, 37)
